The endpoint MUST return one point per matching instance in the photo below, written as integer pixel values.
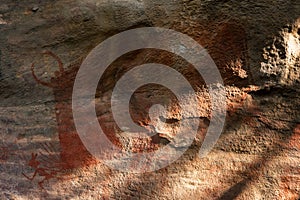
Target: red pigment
(73, 153)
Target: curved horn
(60, 66)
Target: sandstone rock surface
(256, 47)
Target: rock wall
(256, 47)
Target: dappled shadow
(229, 46)
(280, 146)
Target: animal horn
(60, 66)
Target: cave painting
(73, 154)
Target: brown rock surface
(256, 47)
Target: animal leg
(31, 177)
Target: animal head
(33, 162)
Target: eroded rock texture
(256, 47)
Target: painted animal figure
(45, 172)
(72, 152)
